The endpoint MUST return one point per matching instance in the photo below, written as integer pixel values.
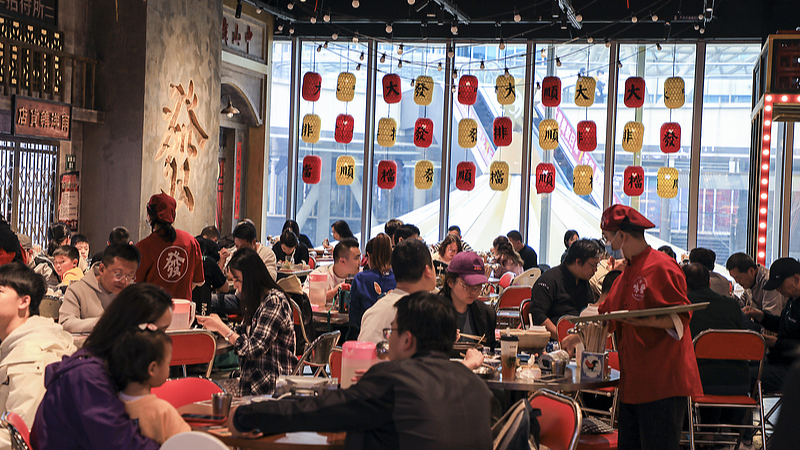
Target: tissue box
(594, 366)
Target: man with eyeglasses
(86, 299)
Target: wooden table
(570, 384)
(332, 317)
(304, 440)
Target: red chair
(183, 391)
(506, 279)
(17, 429)
(193, 347)
(336, 363)
(312, 263)
(512, 297)
(560, 422)
(563, 326)
(524, 310)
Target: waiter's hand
(569, 343)
(254, 434)
(753, 313)
(663, 322)
(769, 340)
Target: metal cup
(221, 404)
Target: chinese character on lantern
(498, 175)
(467, 133)
(312, 169)
(423, 132)
(633, 181)
(423, 174)
(548, 134)
(423, 90)
(311, 128)
(584, 91)
(670, 141)
(392, 92)
(587, 135)
(345, 170)
(502, 127)
(551, 91)
(545, 178)
(634, 92)
(387, 174)
(465, 176)
(312, 85)
(387, 132)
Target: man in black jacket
(419, 400)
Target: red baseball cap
(621, 217)
(162, 206)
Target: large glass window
(278, 134)
(794, 229)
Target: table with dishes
(571, 381)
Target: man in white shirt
(244, 236)
(346, 260)
(413, 271)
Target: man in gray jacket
(752, 277)
(87, 298)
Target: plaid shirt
(266, 347)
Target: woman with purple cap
(463, 282)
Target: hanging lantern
(387, 174)
(465, 176)
(343, 133)
(467, 133)
(551, 91)
(506, 92)
(467, 89)
(633, 181)
(392, 93)
(312, 169)
(423, 132)
(584, 91)
(312, 85)
(387, 132)
(345, 170)
(498, 175)
(502, 131)
(548, 134)
(587, 135)
(346, 87)
(582, 179)
(545, 178)
(674, 92)
(667, 186)
(670, 141)
(423, 174)
(311, 128)
(423, 90)
(632, 136)
(634, 92)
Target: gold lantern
(506, 91)
(667, 186)
(632, 137)
(346, 87)
(467, 133)
(498, 175)
(387, 132)
(584, 91)
(345, 170)
(582, 179)
(423, 174)
(311, 128)
(674, 92)
(423, 90)
(548, 134)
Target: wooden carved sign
(41, 118)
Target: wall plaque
(42, 118)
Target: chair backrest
(513, 428)
(183, 391)
(506, 279)
(297, 317)
(312, 263)
(193, 347)
(512, 297)
(560, 422)
(613, 360)
(17, 429)
(49, 307)
(336, 363)
(729, 344)
(194, 440)
(527, 278)
(318, 354)
(563, 326)
(524, 310)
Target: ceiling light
(702, 30)
(654, 17)
(313, 19)
(355, 39)
(356, 3)
(696, 26)
(590, 40)
(411, 2)
(454, 29)
(229, 110)
(634, 19)
(280, 27)
(701, 16)
(258, 10)
(291, 30)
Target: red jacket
(171, 266)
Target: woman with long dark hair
(58, 234)
(80, 408)
(339, 230)
(265, 340)
(295, 227)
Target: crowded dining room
(514, 225)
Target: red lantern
(587, 135)
(387, 174)
(502, 131)
(551, 91)
(633, 184)
(670, 141)
(343, 133)
(545, 178)
(634, 92)
(392, 93)
(423, 132)
(312, 85)
(467, 89)
(312, 169)
(465, 176)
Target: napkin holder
(594, 366)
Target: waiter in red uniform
(658, 369)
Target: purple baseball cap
(468, 266)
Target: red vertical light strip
(763, 197)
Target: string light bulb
(634, 19)
(313, 19)
(412, 82)
(439, 67)
(319, 48)
(483, 66)
(361, 57)
(702, 30)
(290, 6)
(455, 74)
(544, 54)
(400, 49)
(696, 26)
(608, 43)
(590, 40)
(502, 45)
(506, 72)
(356, 3)
(358, 67)
(291, 30)
(558, 62)
(579, 17)
(619, 64)
(383, 58)
(658, 46)
(654, 17)
(400, 64)
(453, 89)
(454, 29)
(326, 17)
(355, 39)
(517, 17)
(389, 28)
(411, 2)
(450, 53)
(258, 11)
(335, 36)
(280, 27)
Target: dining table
(571, 381)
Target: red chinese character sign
(387, 174)
(465, 176)
(545, 178)
(551, 91)
(498, 175)
(670, 140)
(312, 85)
(343, 133)
(423, 132)
(633, 182)
(391, 88)
(634, 92)
(587, 135)
(467, 89)
(312, 169)
(423, 174)
(548, 134)
(502, 131)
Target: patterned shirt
(266, 347)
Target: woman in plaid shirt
(265, 340)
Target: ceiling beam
(453, 10)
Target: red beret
(621, 217)
(162, 206)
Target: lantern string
(674, 50)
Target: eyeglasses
(476, 288)
(388, 332)
(119, 276)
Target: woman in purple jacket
(81, 409)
